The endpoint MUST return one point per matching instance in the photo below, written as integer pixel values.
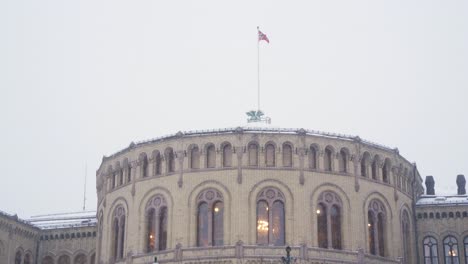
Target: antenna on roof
(84, 195)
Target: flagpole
(258, 70)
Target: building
(244, 194)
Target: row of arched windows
(68, 236)
(451, 253)
(65, 259)
(370, 167)
(438, 215)
(270, 222)
(23, 259)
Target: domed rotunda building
(242, 195)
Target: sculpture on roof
(461, 183)
(430, 185)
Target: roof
(427, 200)
(64, 220)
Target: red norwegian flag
(262, 36)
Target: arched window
(18, 257)
(210, 218)
(451, 250)
(374, 168)
(430, 250)
(194, 158)
(92, 259)
(47, 260)
(80, 259)
(27, 259)
(465, 242)
(270, 217)
(227, 155)
(287, 155)
(313, 157)
(376, 224)
(327, 159)
(127, 170)
(405, 229)
(343, 161)
(64, 259)
(364, 164)
(385, 171)
(210, 156)
(144, 165)
(253, 154)
(156, 162)
(329, 220)
(170, 160)
(118, 233)
(270, 155)
(156, 223)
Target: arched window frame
(430, 251)
(451, 252)
(194, 158)
(343, 160)
(328, 154)
(156, 218)
(386, 170)
(313, 154)
(157, 162)
(375, 167)
(18, 257)
(272, 196)
(270, 154)
(210, 156)
(405, 235)
(143, 161)
(80, 259)
(365, 164)
(252, 149)
(227, 151)
(377, 220)
(332, 237)
(287, 154)
(215, 230)
(64, 259)
(170, 160)
(118, 233)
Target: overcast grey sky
(82, 79)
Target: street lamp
(288, 258)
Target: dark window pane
(335, 217)
(270, 155)
(227, 155)
(202, 226)
(163, 228)
(122, 237)
(370, 225)
(313, 158)
(322, 226)
(150, 231)
(210, 157)
(218, 222)
(277, 224)
(253, 155)
(287, 155)
(262, 223)
(381, 233)
(116, 238)
(327, 160)
(195, 158)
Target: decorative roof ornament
(257, 117)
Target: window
(406, 242)
(253, 154)
(385, 171)
(129, 173)
(144, 165)
(80, 259)
(118, 231)
(18, 257)
(374, 167)
(287, 155)
(327, 159)
(210, 156)
(465, 242)
(194, 158)
(47, 260)
(170, 161)
(92, 259)
(227, 155)
(156, 224)
(430, 251)
(451, 250)
(270, 155)
(329, 220)
(210, 219)
(64, 259)
(376, 221)
(343, 161)
(156, 163)
(313, 157)
(121, 177)
(364, 164)
(270, 217)
(27, 259)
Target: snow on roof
(442, 200)
(64, 220)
